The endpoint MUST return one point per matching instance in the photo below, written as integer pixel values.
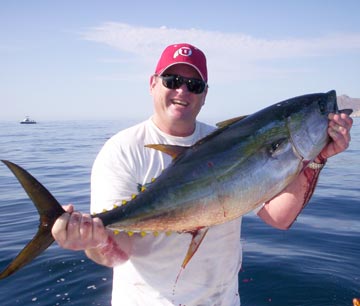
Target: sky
(91, 60)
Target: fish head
(307, 122)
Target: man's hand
(339, 132)
(76, 231)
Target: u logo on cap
(184, 51)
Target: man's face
(176, 108)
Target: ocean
(316, 262)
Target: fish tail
(49, 210)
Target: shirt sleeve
(112, 177)
(257, 209)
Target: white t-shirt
(149, 276)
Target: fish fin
(49, 210)
(42, 240)
(198, 237)
(172, 150)
(143, 187)
(228, 122)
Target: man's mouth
(179, 102)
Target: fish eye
(274, 146)
(277, 147)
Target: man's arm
(281, 211)
(112, 180)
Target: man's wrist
(318, 163)
(316, 166)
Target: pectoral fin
(198, 237)
(172, 150)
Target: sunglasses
(173, 81)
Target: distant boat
(27, 120)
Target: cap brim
(186, 63)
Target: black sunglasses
(173, 81)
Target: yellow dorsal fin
(172, 150)
(228, 122)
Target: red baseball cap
(183, 54)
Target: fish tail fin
(41, 241)
(49, 210)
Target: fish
(242, 164)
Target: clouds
(64, 57)
(230, 55)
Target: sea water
(316, 262)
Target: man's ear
(152, 82)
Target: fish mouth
(332, 98)
(347, 111)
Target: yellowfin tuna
(245, 162)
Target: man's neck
(178, 129)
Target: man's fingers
(86, 228)
(59, 229)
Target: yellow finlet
(143, 234)
(130, 233)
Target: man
(146, 266)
